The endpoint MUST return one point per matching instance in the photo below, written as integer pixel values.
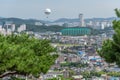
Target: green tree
(25, 55)
(111, 48)
(86, 74)
(53, 79)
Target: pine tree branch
(117, 11)
(7, 73)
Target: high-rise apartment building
(82, 24)
(22, 28)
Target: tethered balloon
(47, 12)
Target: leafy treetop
(24, 55)
(111, 48)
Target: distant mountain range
(86, 20)
(20, 21)
(32, 21)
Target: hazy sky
(60, 8)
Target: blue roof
(81, 52)
(95, 58)
(114, 78)
(98, 63)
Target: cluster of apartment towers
(9, 28)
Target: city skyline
(60, 9)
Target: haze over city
(60, 8)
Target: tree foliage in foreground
(111, 48)
(24, 55)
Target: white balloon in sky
(47, 11)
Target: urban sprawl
(76, 46)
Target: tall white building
(9, 27)
(13, 27)
(4, 31)
(82, 24)
(22, 28)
